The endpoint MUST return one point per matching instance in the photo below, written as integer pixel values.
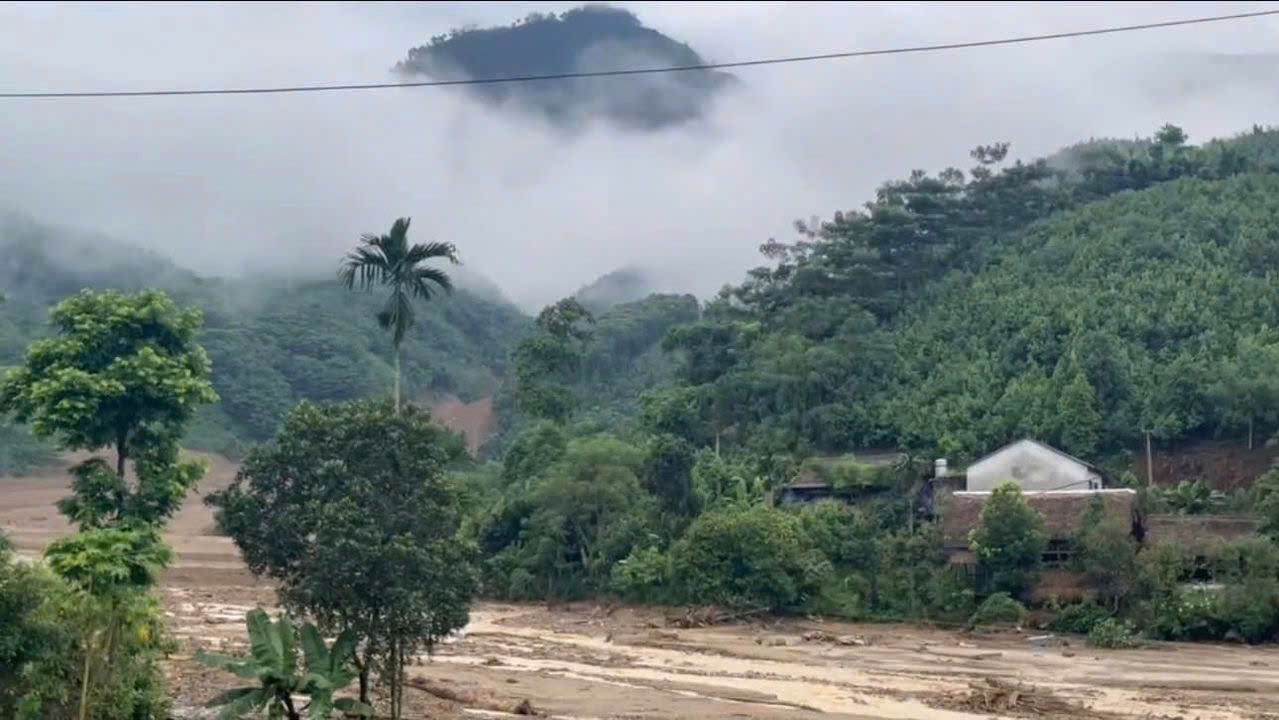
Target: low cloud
(288, 182)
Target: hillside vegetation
(593, 38)
(275, 341)
(1119, 289)
(272, 341)
(1114, 290)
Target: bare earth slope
(590, 661)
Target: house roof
(1036, 443)
(1061, 510)
(1191, 529)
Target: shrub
(1114, 634)
(999, 609)
(41, 657)
(1250, 609)
(1185, 614)
(753, 557)
(1079, 618)
(643, 576)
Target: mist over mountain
(626, 284)
(273, 338)
(592, 38)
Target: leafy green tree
(549, 363)
(121, 371)
(350, 510)
(1106, 552)
(668, 473)
(274, 664)
(747, 557)
(1079, 419)
(388, 260)
(1265, 498)
(114, 567)
(534, 450)
(1248, 385)
(1009, 542)
(588, 512)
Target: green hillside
(588, 39)
(273, 341)
(1114, 289)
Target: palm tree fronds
(365, 266)
(431, 251)
(389, 260)
(422, 279)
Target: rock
(818, 636)
(492, 662)
(777, 642)
(1067, 653)
(851, 640)
(1258, 663)
(524, 708)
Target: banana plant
(1195, 498)
(273, 663)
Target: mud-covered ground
(593, 661)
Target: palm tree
(389, 260)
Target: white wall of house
(1033, 466)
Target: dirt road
(589, 661)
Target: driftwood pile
(1003, 697)
(697, 617)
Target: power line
(641, 71)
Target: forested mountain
(272, 340)
(593, 38)
(1117, 289)
(627, 284)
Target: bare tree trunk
(84, 683)
(397, 379)
(120, 457)
(1249, 432)
(364, 667)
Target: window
(1057, 553)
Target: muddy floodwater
(593, 661)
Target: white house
(1035, 467)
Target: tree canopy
(348, 507)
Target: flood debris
(993, 695)
(697, 617)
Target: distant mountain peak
(591, 38)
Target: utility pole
(1150, 466)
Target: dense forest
(1086, 299)
(592, 38)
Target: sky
(228, 185)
